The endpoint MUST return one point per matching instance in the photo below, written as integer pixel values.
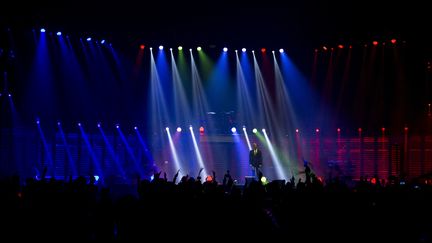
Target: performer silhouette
(255, 160)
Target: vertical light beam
(173, 150)
(247, 138)
(47, 150)
(91, 152)
(279, 170)
(68, 152)
(197, 152)
(112, 153)
(130, 152)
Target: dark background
(298, 23)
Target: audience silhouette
(80, 209)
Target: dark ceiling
(267, 23)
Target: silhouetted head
(255, 146)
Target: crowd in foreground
(187, 207)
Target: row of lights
(199, 48)
(340, 46)
(225, 49)
(59, 33)
(201, 129)
(281, 50)
(179, 129)
(180, 48)
(317, 130)
(233, 129)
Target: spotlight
(383, 129)
(253, 51)
(225, 49)
(263, 130)
(190, 49)
(243, 49)
(236, 51)
(255, 130)
(317, 130)
(393, 41)
(180, 48)
(37, 121)
(297, 131)
(190, 128)
(375, 43)
(43, 30)
(59, 33)
(117, 126)
(263, 50)
(58, 123)
(167, 128)
(161, 48)
(96, 177)
(141, 46)
(199, 48)
(151, 48)
(99, 124)
(10, 95)
(273, 52)
(233, 130)
(340, 46)
(135, 128)
(338, 130)
(88, 38)
(179, 129)
(244, 128)
(264, 180)
(281, 50)
(360, 129)
(171, 49)
(102, 41)
(79, 124)
(406, 129)
(201, 129)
